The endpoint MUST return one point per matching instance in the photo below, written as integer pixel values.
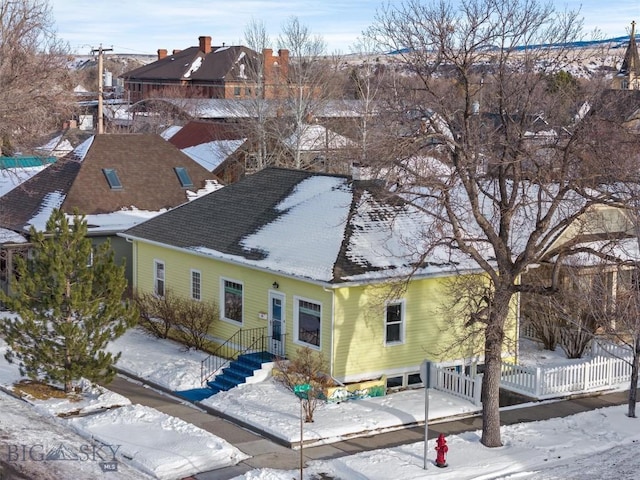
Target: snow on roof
(243, 108)
(211, 154)
(50, 202)
(10, 178)
(170, 132)
(317, 137)
(392, 244)
(118, 221)
(197, 63)
(209, 186)
(9, 236)
(57, 146)
(320, 202)
(81, 150)
(306, 238)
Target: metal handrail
(240, 342)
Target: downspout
(333, 324)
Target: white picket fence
(598, 373)
(457, 384)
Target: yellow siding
(256, 287)
(355, 348)
(360, 350)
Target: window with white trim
(232, 300)
(394, 323)
(158, 278)
(196, 285)
(307, 317)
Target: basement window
(112, 178)
(183, 176)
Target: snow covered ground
(134, 438)
(602, 444)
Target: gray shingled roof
(232, 222)
(217, 65)
(221, 219)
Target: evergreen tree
(69, 301)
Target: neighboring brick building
(207, 71)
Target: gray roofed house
(325, 228)
(304, 259)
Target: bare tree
(261, 124)
(308, 368)
(566, 317)
(500, 191)
(366, 79)
(35, 88)
(308, 79)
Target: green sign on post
(301, 390)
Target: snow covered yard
(273, 409)
(600, 445)
(157, 444)
(581, 446)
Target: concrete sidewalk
(266, 453)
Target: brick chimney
(205, 44)
(267, 62)
(284, 62)
(176, 50)
(162, 53)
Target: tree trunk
(491, 394)
(494, 340)
(633, 387)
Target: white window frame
(296, 323)
(223, 305)
(156, 278)
(196, 294)
(402, 322)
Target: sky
(144, 26)
(600, 445)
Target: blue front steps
(233, 375)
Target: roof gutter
(323, 284)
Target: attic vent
(112, 178)
(183, 176)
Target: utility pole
(100, 51)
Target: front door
(276, 324)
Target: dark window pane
(233, 301)
(394, 382)
(393, 333)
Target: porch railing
(244, 341)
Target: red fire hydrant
(442, 449)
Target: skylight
(183, 176)
(112, 178)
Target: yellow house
(313, 260)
